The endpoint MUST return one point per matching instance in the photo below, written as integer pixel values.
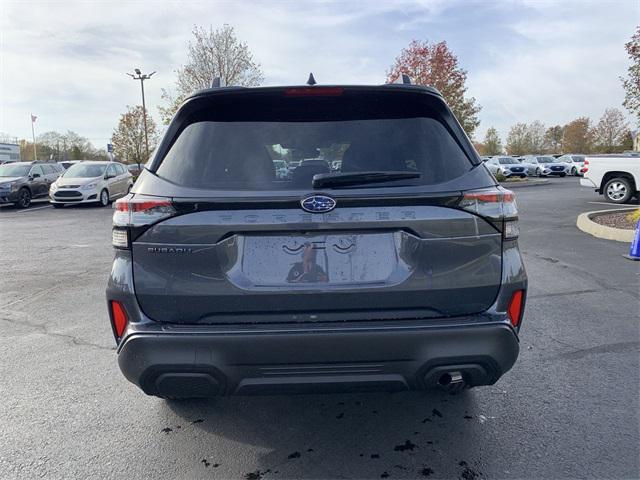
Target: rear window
(282, 155)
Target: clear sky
(65, 61)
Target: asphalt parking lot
(568, 409)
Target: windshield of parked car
(508, 161)
(546, 159)
(578, 158)
(14, 170)
(83, 170)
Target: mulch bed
(615, 220)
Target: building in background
(9, 152)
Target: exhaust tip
(450, 378)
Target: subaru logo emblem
(318, 204)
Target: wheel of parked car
(617, 190)
(24, 198)
(574, 171)
(104, 198)
(538, 172)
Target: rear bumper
(203, 362)
(587, 182)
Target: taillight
(584, 168)
(497, 205)
(119, 318)
(514, 309)
(132, 211)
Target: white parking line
(33, 209)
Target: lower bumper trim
(195, 365)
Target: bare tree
(6, 138)
(128, 137)
(536, 141)
(517, 142)
(212, 53)
(609, 133)
(492, 144)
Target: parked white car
(91, 182)
(617, 177)
(575, 162)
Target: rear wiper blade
(344, 179)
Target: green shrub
(500, 177)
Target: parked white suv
(91, 182)
(617, 177)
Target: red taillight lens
(314, 92)
(515, 307)
(118, 317)
(130, 211)
(495, 203)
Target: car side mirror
(35, 175)
(107, 176)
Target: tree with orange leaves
(437, 66)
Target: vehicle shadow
(339, 436)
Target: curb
(533, 183)
(587, 225)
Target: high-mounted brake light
(314, 92)
(119, 318)
(514, 310)
(132, 211)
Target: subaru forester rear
(302, 239)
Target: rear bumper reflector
(515, 307)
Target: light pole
(142, 78)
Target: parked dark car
(20, 182)
(399, 271)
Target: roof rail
(217, 82)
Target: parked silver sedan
(507, 166)
(544, 165)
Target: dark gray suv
(20, 182)
(398, 269)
